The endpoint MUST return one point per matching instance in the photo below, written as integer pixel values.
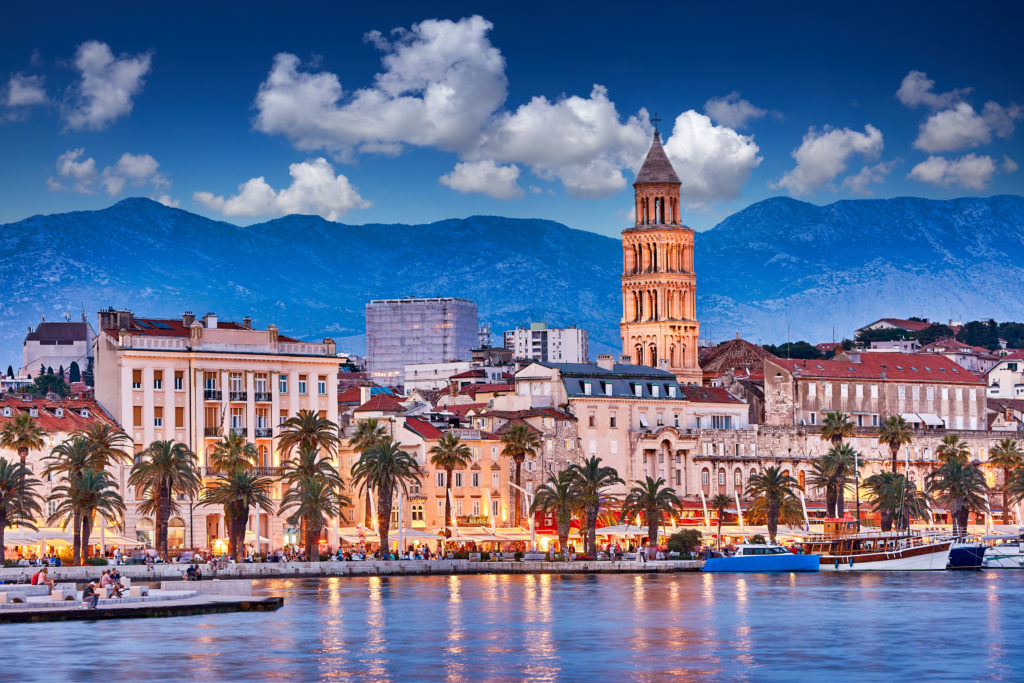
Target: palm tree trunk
(516, 493)
(563, 533)
(76, 543)
(163, 518)
(719, 530)
(384, 517)
(447, 503)
(312, 543)
(1006, 498)
(86, 533)
(773, 521)
(3, 525)
(841, 499)
(894, 450)
(23, 454)
(886, 520)
(652, 531)
(591, 540)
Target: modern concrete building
(55, 345)
(194, 380)
(402, 332)
(1006, 378)
(433, 375)
(548, 344)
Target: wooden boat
(842, 548)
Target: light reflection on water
(937, 625)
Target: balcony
(211, 394)
(208, 472)
(240, 430)
(238, 395)
(263, 396)
(264, 432)
(212, 431)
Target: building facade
(548, 344)
(195, 380)
(55, 345)
(1006, 378)
(659, 311)
(402, 332)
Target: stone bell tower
(659, 314)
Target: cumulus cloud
(1009, 165)
(712, 162)
(441, 82)
(166, 200)
(917, 89)
(485, 177)
(969, 171)
(869, 175)
(106, 87)
(732, 110)
(961, 126)
(25, 91)
(82, 174)
(824, 155)
(315, 189)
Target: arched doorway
(176, 534)
(145, 532)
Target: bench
(138, 591)
(508, 557)
(534, 557)
(474, 557)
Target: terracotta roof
(696, 394)
(175, 327)
(656, 168)
(735, 354)
(530, 412)
(472, 373)
(461, 409)
(949, 345)
(828, 346)
(911, 325)
(59, 332)
(423, 428)
(517, 421)
(47, 417)
(385, 403)
(887, 366)
(472, 390)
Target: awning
(931, 419)
(513, 534)
(622, 530)
(911, 417)
(250, 536)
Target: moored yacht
(842, 548)
(761, 557)
(1004, 556)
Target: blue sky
(408, 114)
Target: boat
(842, 548)
(965, 554)
(761, 557)
(1004, 556)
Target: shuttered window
(179, 417)
(137, 416)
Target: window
(915, 392)
(136, 379)
(496, 479)
(613, 446)
(158, 416)
(179, 417)
(874, 420)
(874, 391)
(844, 390)
(587, 389)
(901, 392)
(236, 382)
(721, 477)
(591, 419)
(476, 508)
(608, 389)
(457, 479)
(945, 393)
(737, 479)
(321, 385)
(675, 420)
(302, 385)
(812, 418)
(679, 477)
(655, 390)
(930, 394)
(282, 384)
(705, 477)
(439, 479)
(458, 508)
(440, 507)
(859, 391)
(417, 512)
(137, 416)
(661, 420)
(721, 422)
(495, 508)
(179, 381)
(638, 390)
(494, 452)
(611, 419)
(812, 389)
(238, 418)
(474, 479)
(672, 391)
(283, 417)
(593, 446)
(828, 389)
(959, 394)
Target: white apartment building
(548, 344)
(1006, 378)
(425, 376)
(193, 381)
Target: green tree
(448, 454)
(383, 468)
(238, 490)
(1007, 456)
(60, 372)
(651, 499)
(48, 384)
(232, 453)
(307, 429)
(799, 349)
(163, 469)
(368, 433)
(82, 495)
(895, 499)
(68, 460)
(519, 440)
(315, 500)
(720, 503)
(771, 489)
(684, 541)
(74, 372)
(952, 448)
(558, 496)
(10, 372)
(836, 427)
(20, 503)
(307, 465)
(895, 432)
(590, 479)
(22, 434)
(959, 487)
(87, 376)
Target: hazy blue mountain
(775, 264)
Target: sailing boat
(843, 548)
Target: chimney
(210, 321)
(853, 355)
(187, 318)
(663, 364)
(247, 322)
(605, 361)
(115, 320)
(364, 394)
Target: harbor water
(858, 626)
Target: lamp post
(529, 501)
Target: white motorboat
(1004, 556)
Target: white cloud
(107, 85)
(916, 89)
(440, 84)
(1009, 165)
(970, 171)
(961, 126)
(25, 91)
(712, 162)
(315, 189)
(166, 200)
(485, 177)
(868, 175)
(136, 169)
(81, 173)
(824, 155)
(732, 110)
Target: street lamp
(529, 501)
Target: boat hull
(930, 557)
(787, 562)
(998, 557)
(967, 556)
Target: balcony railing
(207, 472)
(263, 396)
(264, 432)
(212, 394)
(238, 395)
(212, 431)
(240, 431)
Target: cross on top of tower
(655, 120)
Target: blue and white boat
(753, 557)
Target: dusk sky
(400, 113)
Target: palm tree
(233, 453)
(558, 496)
(383, 468)
(847, 458)
(790, 512)
(368, 434)
(315, 500)
(773, 490)
(68, 460)
(238, 490)
(589, 481)
(836, 427)
(82, 495)
(109, 445)
(1006, 455)
(309, 464)
(827, 474)
(307, 429)
(651, 498)
(163, 469)
(895, 432)
(20, 503)
(895, 499)
(520, 440)
(960, 487)
(448, 454)
(720, 503)
(22, 434)
(952, 448)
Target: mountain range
(778, 267)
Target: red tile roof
(888, 366)
(350, 395)
(461, 409)
(699, 394)
(472, 373)
(912, 325)
(530, 412)
(47, 418)
(949, 345)
(385, 403)
(175, 327)
(423, 428)
(472, 390)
